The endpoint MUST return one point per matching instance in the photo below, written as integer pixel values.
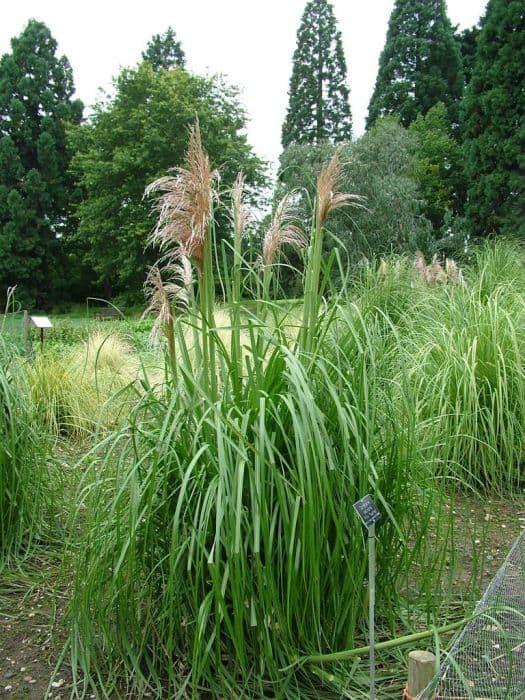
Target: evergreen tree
(318, 106)
(164, 51)
(420, 64)
(494, 123)
(36, 91)
(467, 47)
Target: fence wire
(487, 660)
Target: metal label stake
(369, 514)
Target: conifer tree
(164, 51)
(494, 123)
(36, 90)
(420, 64)
(467, 47)
(318, 105)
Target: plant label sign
(367, 511)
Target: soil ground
(32, 604)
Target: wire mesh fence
(487, 660)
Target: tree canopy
(494, 128)
(318, 105)
(439, 167)
(420, 64)
(36, 103)
(135, 138)
(164, 51)
(380, 167)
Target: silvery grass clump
(466, 348)
(29, 480)
(219, 540)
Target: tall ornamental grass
(466, 349)
(28, 479)
(219, 541)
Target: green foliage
(468, 355)
(28, 480)
(84, 388)
(379, 166)
(494, 123)
(318, 107)
(467, 47)
(218, 538)
(439, 168)
(164, 51)
(420, 64)
(136, 137)
(36, 89)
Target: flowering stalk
(185, 226)
(327, 199)
(240, 217)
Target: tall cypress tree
(36, 91)
(164, 51)
(494, 123)
(318, 105)
(420, 64)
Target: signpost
(41, 322)
(369, 514)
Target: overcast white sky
(250, 41)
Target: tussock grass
(88, 386)
(29, 482)
(469, 372)
(220, 541)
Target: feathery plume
(384, 268)
(436, 273)
(328, 196)
(240, 211)
(184, 205)
(282, 231)
(420, 265)
(162, 294)
(454, 274)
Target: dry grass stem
(240, 211)
(161, 295)
(282, 230)
(184, 207)
(328, 196)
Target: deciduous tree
(439, 166)
(380, 167)
(132, 140)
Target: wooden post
(421, 671)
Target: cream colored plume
(282, 231)
(184, 206)
(328, 195)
